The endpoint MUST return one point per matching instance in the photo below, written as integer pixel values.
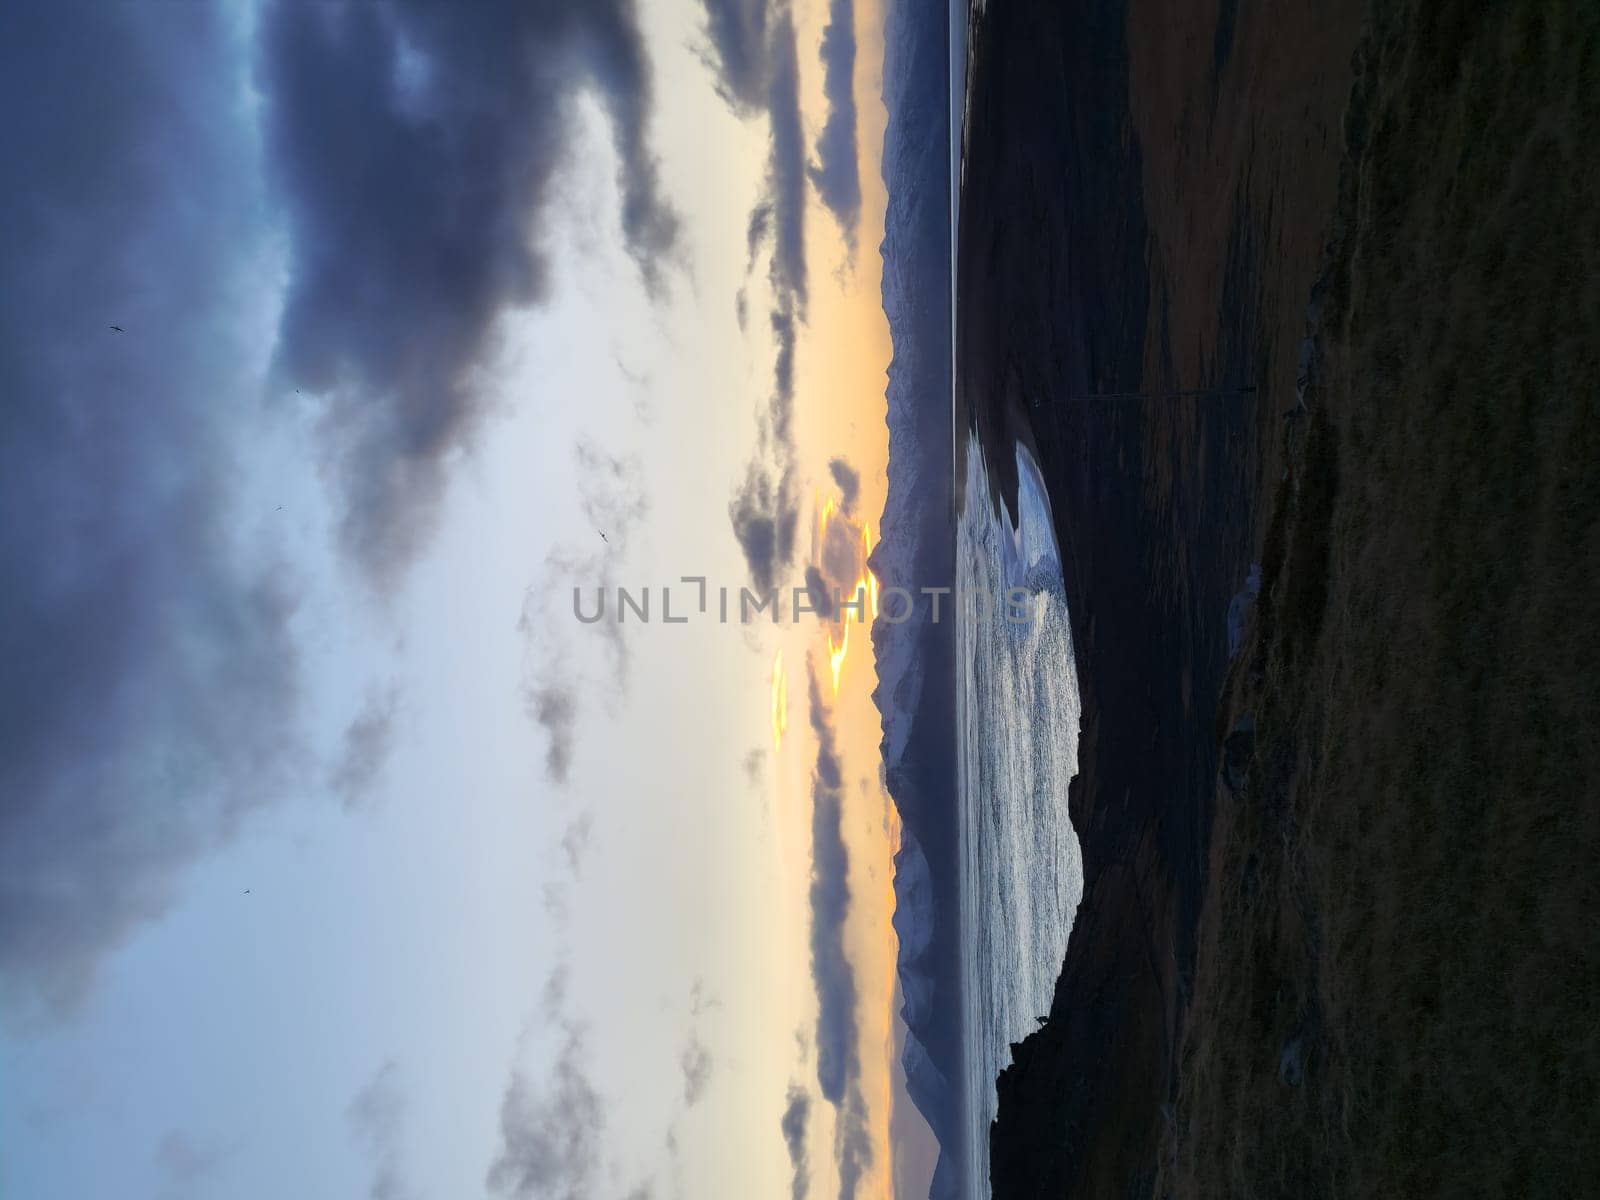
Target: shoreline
(1084, 270)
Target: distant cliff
(917, 549)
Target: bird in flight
(603, 537)
(119, 329)
(247, 891)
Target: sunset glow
(780, 700)
(861, 601)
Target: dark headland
(1345, 955)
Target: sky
(340, 344)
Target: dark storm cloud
(147, 698)
(781, 408)
(551, 1131)
(376, 1116)
(796, 1116)
(842, 555)
(838, 1061)
(835, 173)
(833, 582)
(756, 233)
(819, 593)
(765, 511)
(757, 67)
(415, 147)
(837, 1034)
(849, 483)
(368, 741)
(737, 30)
(786, 176)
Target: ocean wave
(1018, 714)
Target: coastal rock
(1238, 751)
(1292, 1061)
(1241, 609)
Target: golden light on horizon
(836, 653)
(868, 579)
(780, 700)
(863, 601)
(863, 596)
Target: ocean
(1018, 713)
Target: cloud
(756, 233)
(765, 509)
(849, 484)
(555, 710)
(575, 841)
(786, 179)
(765, 512)
(553, 1119)
(796, 1116)
(551, 1131)
(367, 744)
(835, 173)
(756, 64)
(852, 1144)
(187, 1164)
(832, 581)
(416, 149)
(819, 593)
(781, 407)
(737, 30)
(149, 704)
(613, 503)
(553, 997)
(148, 701)
(842, 554)
(696, 1059)
(699, 1002)
(696, 1064)
(376, 1117)
(837, 1032)
(754, 765)
(838, 1061)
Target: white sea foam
(1018, 715)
